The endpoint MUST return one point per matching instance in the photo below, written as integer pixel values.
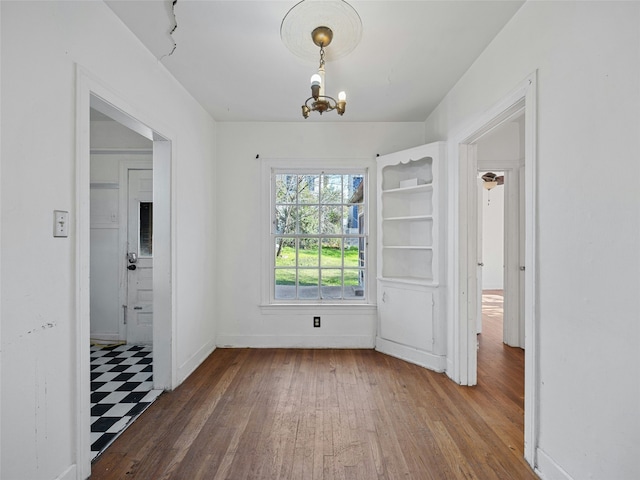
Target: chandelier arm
(330, 102)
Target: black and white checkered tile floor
(121, 389)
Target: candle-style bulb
(316, 80)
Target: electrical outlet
(316, 322)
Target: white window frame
(313, 167)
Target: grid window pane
(319, 234)
(285, 221)
(308, 280)
(286, 276)
(352, 253)
(308, 255)
(308, 219)
(353, 219)
(308, 189)
(285, 281)
(354, 283)
(331, 220)
(331, 283)
(285, 252)
(286, 189)
(353, 189)
(331, 252)
(146, 229)
(331, 189)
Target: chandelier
(318, 101)
(322, 18)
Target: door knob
(131, 267)
(480, 264)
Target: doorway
(464, 154)
(121, 265)
(500, 159)
(116, 154)
(91, 94)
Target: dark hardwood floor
(329, 414)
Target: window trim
(313, 167)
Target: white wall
(41, 44)
(240, 240)
(587, 56)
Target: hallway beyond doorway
(500, 367)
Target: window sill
(335, 308)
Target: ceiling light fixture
(318, 101)
(491, 180)
(323, 18)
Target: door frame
(464, 251)
(91, 93)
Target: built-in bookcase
(409, 253)
(408, 219)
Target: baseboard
(68, 474)
(295, 341)
(548, 469)
(449, 369)
(188, 367)
(106, 337)
(428, 360)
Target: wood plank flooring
(329, 414)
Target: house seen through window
(319, 236)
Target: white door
(480, 259)
(139, 260)
(514, 236)
(521, 256)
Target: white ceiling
(230, 56)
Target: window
(318, 236)
(146, 229)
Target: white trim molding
(69, 474)
(548, 469)
(296, 341)
(91, 93)
(462, 360)
(432, 361)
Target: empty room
(250, 239)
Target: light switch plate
(60, 223)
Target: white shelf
(426, 187)
(409, 218)
(408, 247)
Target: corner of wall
(188, 367)
(548, 469)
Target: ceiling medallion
(305, 16)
